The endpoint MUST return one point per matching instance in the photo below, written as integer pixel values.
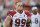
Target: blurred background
(6, 5)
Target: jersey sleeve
(11, 13)
(28, 13)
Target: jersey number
(18, 21)
(36, 20)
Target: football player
(38, 10)
(18, 17)
(34, 18)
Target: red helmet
(26, 4)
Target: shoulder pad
(11, 12)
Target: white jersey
(39, 18)
(38, 15)
(34, 20)
(19, 20)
